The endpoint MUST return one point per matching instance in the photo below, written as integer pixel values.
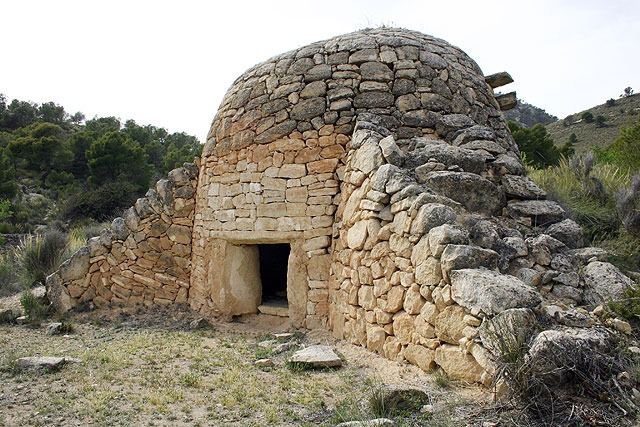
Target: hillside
(624, 112)
(527, 115)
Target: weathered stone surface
(367, 158)
(477, 194)
(468, 160)
(456, 257)
(458, 365)
(604, 282)
(376, 422)
(317, 356)
(521, 187)
(488, 292)
(553, 353)
(507, 330)
(390, 151)
(449, 324)
(568, 232)
(541, 212)
(77, 266)
(308, 108)
(430, 216)
(44, 362)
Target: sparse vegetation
(34, 307)
(38, 256)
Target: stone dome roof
(406, 78)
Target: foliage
(625, 150)
(115, 157)
(628, 91)
(34, 308)
(41, 147)
(5, 209)
(629, 305)
(101, 203)
(47, 154)
(8, 185)
(610, 102)
(587, 116)
(38, 256)
(588, 191)
(536, 145)
(568, 148)
(627, 204)
(601, 121)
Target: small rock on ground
(264, 363)
(378, 422)
(317, 356)
(54, 328)
(49, 362)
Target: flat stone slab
(317, 356)
(45, 362)
(274, 310)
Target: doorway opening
(274, 263)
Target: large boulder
(77, 266)
(317, 356)
(490, 293)
(507, 331)
(603, 282)
(468, 160)
(58, 294)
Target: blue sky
(169, 63)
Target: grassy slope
(625, 112)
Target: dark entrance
(274, 260)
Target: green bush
(536, 145)
(34, 308)
(38, 256)
(102, 203)
(587, 191)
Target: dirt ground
(149, 367)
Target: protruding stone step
(498, 79)
(507, 101)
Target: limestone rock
(568, 232)
(604, 282)
(541, 212)
(58, 294)
(458, 365)
(449, 324)
(317, 356)
(522, 187)
(422, 357)
(456, 257)
(488, 292)
(391, 151)
(44, 362)
(468, 160)
(475, 193)
(553, 353)
(430, 216)
(77, 266)
(508, 330)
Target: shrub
(38, 256)
(587, 116)
(587, 191)
(8, 279)
(627, 204)
(102, 203)
(601, 121)
(610, 102)
(536, 145)
(629, 305)
(34, 308)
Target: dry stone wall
(381, 157)
(143, 258)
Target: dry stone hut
(367, 184)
